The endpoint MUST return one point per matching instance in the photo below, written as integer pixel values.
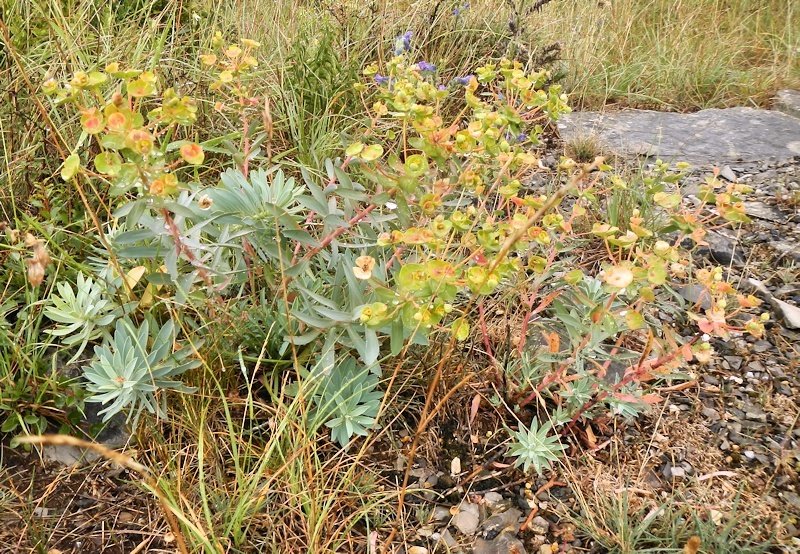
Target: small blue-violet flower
(426, 66)
(464, 81)
(382, 79)
(521, 137)
(457, 10)
(402, 43)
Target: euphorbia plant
(471, 228)
(446, 217)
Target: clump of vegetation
(245, 273)
(442, 219)
(619, 526)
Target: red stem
(332, 236)
(183, 249)
(644, 367)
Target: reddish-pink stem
(335, 234)
(183, 249)
(630, 376)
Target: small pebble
(539, 525)
(467, 520)
(492, 499)
(440, 513)
(448, 539)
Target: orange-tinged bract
(192, 153)
(92, 121)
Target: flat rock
(735, 362)
(788, 102)
(507, 521)
(68, 455)
(727, 173)
(448, 540)
(492, 499)
(695, 294)
(706, 138)
(762, 211)
(440, 513)
(786, 249)
(787, 312)
(539, 525)
(722, 249)
(791, 498)
(114, 433)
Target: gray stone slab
(704, 138)
(788, 101)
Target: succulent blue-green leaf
(397, 337)
(333, 314)
(372, 348)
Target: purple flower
(457, 10)
(402, 43)
(441, 87)
(426, 66)
(464, 81)
(510, 137)
(382, 79)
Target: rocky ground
(75, 508)
(724, 447)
